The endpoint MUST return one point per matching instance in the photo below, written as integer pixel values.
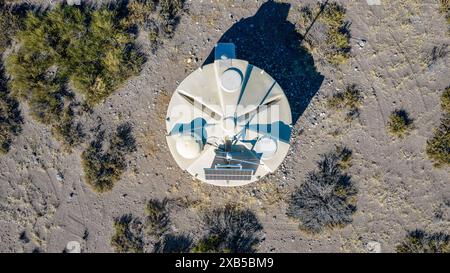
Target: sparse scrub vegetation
(157, 217)
(349, 99)
(169, 10)
(10, 117)
(68, 47)
(128, 235)
(327, 197)
(210, 244)
(67, 131)
(140, 12)
(345, 155)
(157, 18)
(330, 35)
(445, 100)
(230, 230)
(103, 166)
(445, 9)
(419, 241)
(9, 24)
(158, 224)
(437, 53)
(438, 147)
(400, 123)
(131, 232)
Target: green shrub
(128, 235)
(334, 46)
(140, 12)
(230, 230)
(400, 123)
(345, 156)
(438, 147)
(157, 217)
(103, 166)
(419, 241)
(210, 244)
(327, 197)
(349, 99)
(445, 100)
(87, 49)
(445, 5)
(9, 25)
(104, 59)
(10, 118)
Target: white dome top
(266, 146)
(231, 80)
(188, 146)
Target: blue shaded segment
(196, 127)
(277, 130)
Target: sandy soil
(42, 192)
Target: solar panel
(228, 174)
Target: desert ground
(45, 202)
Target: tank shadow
(269, 41)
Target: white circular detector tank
(188, 146)
(231, 80)
(228, 123)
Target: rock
(73, 2)
(73, 247)
(362, 43)
(59, 176)
(373, 247)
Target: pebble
(362, 43)
(59, 176)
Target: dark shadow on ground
(11, 120)
(269, 41)
(172, 243)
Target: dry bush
(169, 12)
(230, 229)
(329, 35)
(69, 132)
(327, 197)
(419, 241)
(156, 17)
(157, 220)
(438, 147)
(103, 166)
(128, 235)
(131, 233)
(349, 99)
(400, 123)
(445, 9)
(445, 100)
